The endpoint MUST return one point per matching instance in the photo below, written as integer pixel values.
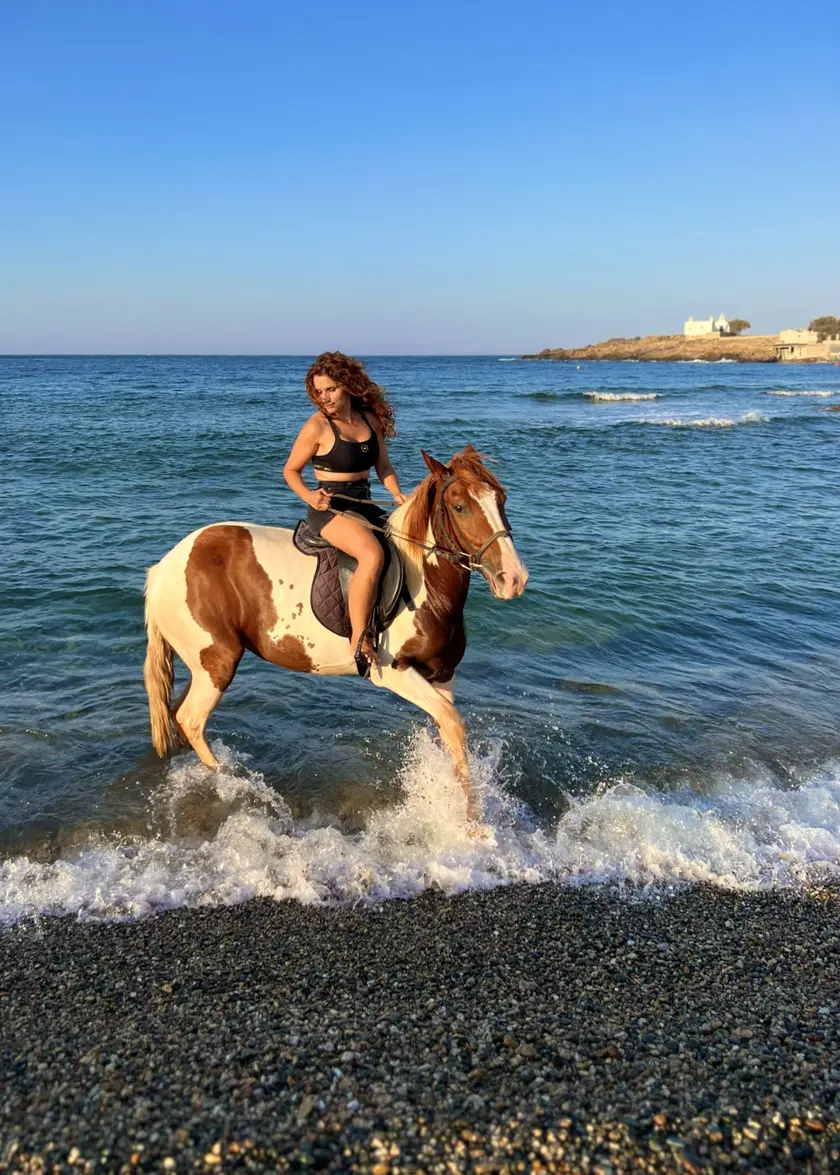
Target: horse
(232, 586)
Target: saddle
(332, 575)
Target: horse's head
(466, 509)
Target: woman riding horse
(236, 586)
(344, 439)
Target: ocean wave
(708, 421)
(617, 397)
(747, 835)
(822, 395)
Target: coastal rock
(671, 348)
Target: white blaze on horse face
(510, 579)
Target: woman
(343, 440)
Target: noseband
(466, 559)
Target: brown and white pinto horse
(232, 586)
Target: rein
(465, 559)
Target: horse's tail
(158, 674)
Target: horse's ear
(435, 468)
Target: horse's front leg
(437, 702)
(446, 690)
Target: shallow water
(661, 706)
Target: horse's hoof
(477, 831)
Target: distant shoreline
(670, 349)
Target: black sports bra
(349, 456)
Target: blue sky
(262, 177)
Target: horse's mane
(410, 523)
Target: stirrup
(364, 666)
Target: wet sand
(529, 1029)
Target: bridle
(466, 559)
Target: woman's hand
(319, 499)
(400, 497)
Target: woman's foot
(364, 653)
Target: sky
(445, 177)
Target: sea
(660, 709)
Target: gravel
(530, 1029)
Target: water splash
(748, 835)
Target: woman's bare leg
(354, 540)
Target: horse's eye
(458, 509)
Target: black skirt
(358, 491)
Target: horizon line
(245, 354)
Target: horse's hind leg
(202, 695)
(191, 716)
(173, 710)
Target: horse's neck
(430, 575)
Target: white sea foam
(708, 421)
(820, 394)
(744, 836)
(616, 397)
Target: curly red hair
(350, 374)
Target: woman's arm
(303, 450)
(385, 470)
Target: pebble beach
(534, 1028)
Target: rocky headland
(671, 348)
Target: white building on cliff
(798, 338)
(706, 326)
(802, 346)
